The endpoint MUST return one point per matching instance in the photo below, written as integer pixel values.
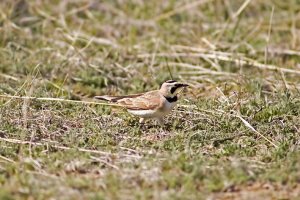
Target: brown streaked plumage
(152, 104)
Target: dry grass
(235, 134)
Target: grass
(234, 135)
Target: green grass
(235, 133)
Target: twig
(44, 174)
(16, 141)
(288, 52)
(9, 77)
(105, 162)
(7, 159)
(181, 9)
(241, 9)
(241, 118)
(57, 99)
(234, 16)
(269, 36)
(253, 129)
(237, 61)
(286, 85)
(204, 50)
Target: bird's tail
(106, 98)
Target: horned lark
(153, 104)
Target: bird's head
(171, 88)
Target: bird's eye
(173, 89)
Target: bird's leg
(160, 121)
(141, 122)
(162, 126)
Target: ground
(234, 135)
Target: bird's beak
(182, 85)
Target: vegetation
(234, 135)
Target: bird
(153, 104)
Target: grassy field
(234, 135)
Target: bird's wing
(115, 99)
(146, 101)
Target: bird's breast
(145, 113)
(168, 106)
